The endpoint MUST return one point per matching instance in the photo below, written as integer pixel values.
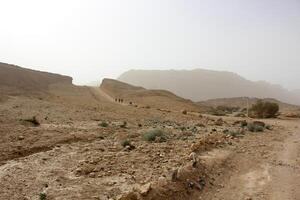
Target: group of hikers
(119, 100)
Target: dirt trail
(285, 182)
(99, 94)
(264, 170)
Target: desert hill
(200, 84)
(154, 98)
(18, 78)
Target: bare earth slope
(200, 84)
(26, 79)
(156, 98)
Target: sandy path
(99, 94)
(285, 174)
(266, 169)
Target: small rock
(21, 137)
(144, 189)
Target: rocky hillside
(15, 77)
(199, 84)
(153, 98)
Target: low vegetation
(103, 124)
(43, 196)
(228, 109)
(264, 109)
(127, 144)
(252, 127)
(154, 134)
(216, 112)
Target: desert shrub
(184, 112)
(152, 135)
(182, 128)
(228, 109)
(217, 112)
(255, 127)
(43, 196)
(264, 109)
(103, 124)
(125, 143)
(244, 123)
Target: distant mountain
(18, 78)
(297, 93)
(200, 84)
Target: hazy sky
(92, 39)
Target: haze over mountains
(197, 85)
(201, 84)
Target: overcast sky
(92, 39)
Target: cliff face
(12, 76)
(200, 84)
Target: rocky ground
(72, 154)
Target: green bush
(255, 128)
(103, 124)
(228, 109)
(153, 134)
(43, 196)
(264, 109)
(244, 123)
(217, 112)
(125, 143)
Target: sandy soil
(264, 167)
